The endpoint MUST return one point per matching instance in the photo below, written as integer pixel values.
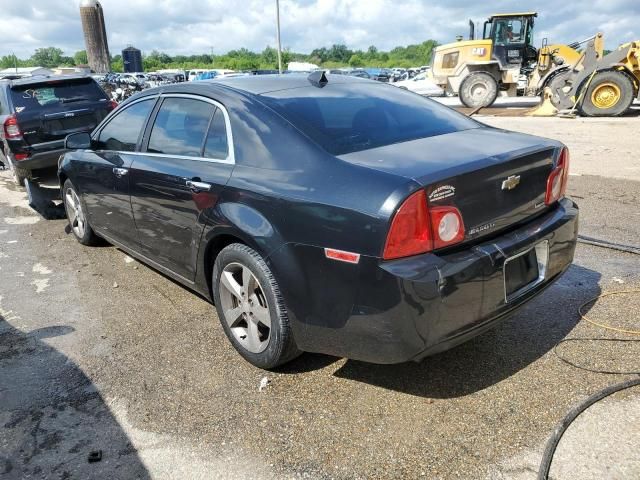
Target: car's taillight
(447, 224)
(21, 156)
(417, 229)
(410, 232)
(557, 181)
(112, 105)
(11, 127)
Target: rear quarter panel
(286, 192)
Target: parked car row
(379, 74)
(422, 85)
(415, 80)
(398, 229)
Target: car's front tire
(77, 215)
(251, 308)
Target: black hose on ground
(552, 444)
(594, 370)
(611, 245)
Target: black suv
(37, 113)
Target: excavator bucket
(545, 108)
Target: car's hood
(428, 160)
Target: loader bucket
(545, 108)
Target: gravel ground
(99, 352)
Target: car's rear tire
(19, 174)
(610, 94)
(251, 308)
(479, 89)
(76, 212)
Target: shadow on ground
(485, 360)
(52, 416)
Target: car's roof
(259, 84)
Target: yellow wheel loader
(505, 62)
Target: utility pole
(279, 45)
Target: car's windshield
(54, 93)
(349, 117)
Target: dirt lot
(99, 352)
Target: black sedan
(326, 214)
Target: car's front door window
(180, 127)
(123, 130)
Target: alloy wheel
(74, 212)
(245, 307)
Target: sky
(205, 26)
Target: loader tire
(479, 89)
(609, 94)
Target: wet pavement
(101, 353)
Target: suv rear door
(50, 110)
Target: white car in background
(422, 85)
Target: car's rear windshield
(350, 117)
(56, 93)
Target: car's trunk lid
(495, 178)
(52, 109)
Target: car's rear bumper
(44, 155)
(41, 160)
(390, 312)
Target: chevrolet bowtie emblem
(511, 182)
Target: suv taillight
(112, 105)
(11, 127)
(417, 229)
(557, 181)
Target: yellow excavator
(575, 77)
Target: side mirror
(78, 141)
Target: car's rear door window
(123, 130)
(217, 145)
(349, 117)
(180, 127)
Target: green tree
(48, 57)
(270, 57)
(336, 56)
(11, 61)
(159, 58)
(80, 57)
(320, 54)
(117, 64)
(356, 61)
(340, 53)
(67, 62)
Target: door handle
(199, 186)
(120, 172)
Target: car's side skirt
(153, 264)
